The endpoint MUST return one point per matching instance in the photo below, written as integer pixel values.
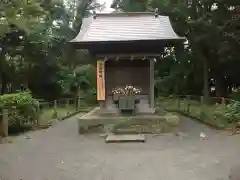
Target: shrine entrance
(128, 72)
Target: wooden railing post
(38, 114)
(78, 103)
(67, 103)
(55, 104)
(201, 104)
(188, 104)
(4, 123)
(179, 103)
(202, 100)
(67, 106)
(55, 114)
(223, 100)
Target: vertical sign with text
(100, 80)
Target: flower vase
(126, 102)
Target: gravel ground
(59, 153)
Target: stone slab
(111, 138)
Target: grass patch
(147, 126)
(49, 114)
(194, 109)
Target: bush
(22, 108)
(90, 97)
(235, 95)
(230, 112)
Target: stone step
(112, 138)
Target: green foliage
(212, 32)
(54, 114)
(235, 95)
(230, 112)
(22, 107)
(34, 37)
(35, 54)
(90, 97)
(27, 18)
(209, 114)
(83, 77)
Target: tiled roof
(126, 27)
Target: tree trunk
(206, 91)
(221, 89)
(3, 79)
(78, 97)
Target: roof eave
(75, 42)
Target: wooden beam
(135, 55)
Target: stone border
(73, 114)
(61, 119)
(137, 138)
(91, 112)
(91, 120)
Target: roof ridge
(125, 14)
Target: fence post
(201, 104)
(55, 104)
(78, 103)
(67, 103)
(201, 100)
(178, 103)
(67, 106)
(38, 114)
(188, 104)
(223, 100)
(55, 114)
(4, 123)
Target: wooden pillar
(151, 90)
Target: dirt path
(59, 153)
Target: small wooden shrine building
(126, 46)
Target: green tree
(213, 36)
(34, 48)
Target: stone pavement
(59, 153)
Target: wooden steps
(125, 138)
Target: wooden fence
(197, 108)
(47, 112)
